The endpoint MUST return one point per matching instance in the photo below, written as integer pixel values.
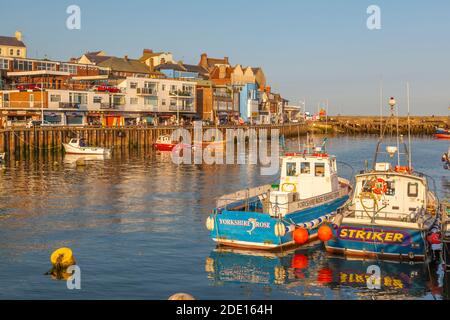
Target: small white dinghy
(79, 146)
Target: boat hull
(442, 135)
(256, 230)
(368, 241)
(169, 146)
(87, 151)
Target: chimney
(226, 60)
(125, 58)
(18, 35)
(204, 60)
(147, 51)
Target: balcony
(146, 91)
(181, 94)
(22, 104)
(69, 105)
(181, 108)
(108, 106)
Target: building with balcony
(158, 100)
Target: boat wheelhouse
(286, 214)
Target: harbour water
(135, 223)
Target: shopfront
(113, 120)
(94, 119)
(53, 118)
(74, 118)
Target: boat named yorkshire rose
(79, 146)
(393, 214)
(289, 214)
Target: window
(150, 101)
(119, 100)
(0, 50)
(163, 102)
(291, 169)
(11, 52)
(46, 66)
(31, 98)
(18, 52)
(97, 99)
(305, 168)
(413, 189)
(68, 68)
(163, 87)
(390, 188)
(55, 98)
(4, 64)
(320, 169)
(133, 101)
(22, 65)
(133, 85)
(80, 98)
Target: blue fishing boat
(281, 215)
(393, 213)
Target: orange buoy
(325, 233)
(301, 235)
(299, 261)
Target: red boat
(442, 133)
(165, 143)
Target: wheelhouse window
(319, 169)
(413, 189)
(305, 168)
(291, 169)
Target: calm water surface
(136, 225)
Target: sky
(313, 50)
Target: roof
(95, 58)
(195, 68)
(125, 65)
(170, 66)
(11, 41)
(147, 55)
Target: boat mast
(409, 129)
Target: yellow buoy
(181, 296)
(62, 258)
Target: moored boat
(442, 133)
(165, 143)
(79, 146)
(393, 215)
(2, 157)
(285, 215)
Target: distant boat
(79, 146)
(442, 133)
(165, 143)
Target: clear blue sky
(314, 49)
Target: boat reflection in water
(74, 159)
(312, 273)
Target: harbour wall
(21, 141)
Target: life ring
(288, 187)
(379, 186)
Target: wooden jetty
(21, 141)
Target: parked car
(25, 87)
(106, 88)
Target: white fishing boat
(79, 146)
